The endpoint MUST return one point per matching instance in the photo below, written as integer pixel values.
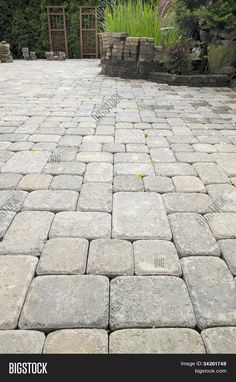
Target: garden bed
(138, 58)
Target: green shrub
(219, 56)
(219, 16)
(177, 60)
(185, 17)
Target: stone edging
(217, 80)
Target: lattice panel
(88, 32)
(57, 29)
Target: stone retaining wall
(127, 57)
(138, 58)
(218, 80)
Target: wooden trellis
(88, 31)
(57, 29)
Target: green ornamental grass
(139, 19)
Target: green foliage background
(219, 16)
(23, 23)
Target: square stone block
(63, 256)
(110, 257)
(139, 215)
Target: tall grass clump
(169, 36)
(137, 18)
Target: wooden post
(49, 29)
(65, 33)
(81, 34)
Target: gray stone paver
(89, 157)
(95, 197)
(212, 290)
(9, 181)
(110, 257)
(65, 168)
(127, 183)
(77, 341)
(228, 248)
(192, 237)
(54, 201)
(187, 202)
(138, 215)
(154, 341)
(224, 193)
(113, 148)
(162, 155)
(131, 158)
(188, 184)
(66, 302)
(220, 340)
(136, 148)
(98, 172)
(16, 273)
(142, 169)
(147, 301)
(161, 164)
(27, 233)
(6, 218)
(129, 136)
(156, 257)
(26, 162)
(223, 225)
(35, 182)
(160, 184)
(67, 182)
(174, 169)
(211, 173)
(12, 200)
(63, 256)
(88, 225)
(21, 342)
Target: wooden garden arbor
(57, 29)
(88, 31)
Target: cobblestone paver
(123, 228)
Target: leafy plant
(177, 60)
(222, 55)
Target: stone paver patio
(123, 227)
